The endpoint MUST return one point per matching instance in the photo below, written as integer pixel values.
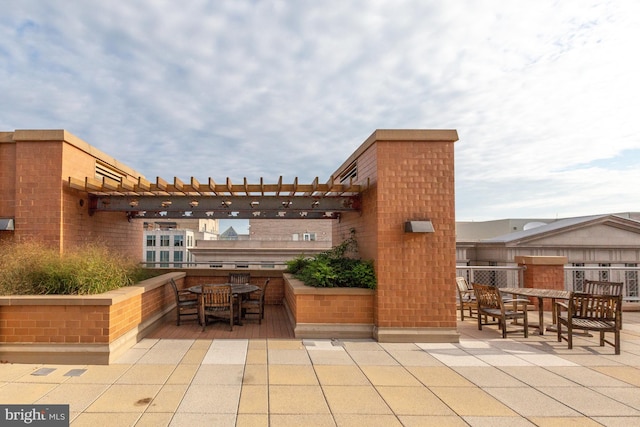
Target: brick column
(543, 272)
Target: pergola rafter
(162, 199)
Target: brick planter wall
(328, 312)
(82, 329)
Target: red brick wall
(409, 179)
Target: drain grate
(42, 372)
(75, 372)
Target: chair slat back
(216, 296)
(602, 287)
(595, 307)
(487, 296)
(239, 278)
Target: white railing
(502, 277)
(272, 265)
(575, 276)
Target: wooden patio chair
(239, 278)
(490, 304)
(254, 304)
(217, 302)
(601, 287)
(466, 297)
(590, 312)
(186, 302)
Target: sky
(544, 95)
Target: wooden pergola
(161, 199)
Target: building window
(178, 257)
(164, 240)
(164, 258)
(151, 258)
(178, 240)
(151, 241)
(309, 237)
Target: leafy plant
(337, 267)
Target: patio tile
(503, 359)
(363, 400)
(439, 376)
(627, 374)
(226, 352)
(254, 399)
(618, 421)
(219, 375)
(131, 356)
(285, 345)
(146, 374)
(168, 398)
(15, 393)
(166, 352)
(627, 395)
(457, 357)
(194, 356)
(12, 372)
(256, 356)
(472, 401)
(292, 375)
(359, 420)
(564, 422)
(361, 345)
(288, 357)
(316, 420)
(77, 396)
(154, 419)
(536, 376)
(125, 398)
(488, 376)
(587, 377)
(183, 374)
(430, 420)
(416, 357)
(55, 376)
(546, 360)
(207, 419)
(252, 420)
(340, 375)
(255, 374)
(300, 399)
(100, 374)
(389, 376)
(365, 357)
(210, 399)
(413, 401)
(528, 402)
(330, 357)
(492, 421)
(589, 402)
(88, 419)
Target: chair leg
(479, 322)
(617, 341)
(569, 336)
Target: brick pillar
(543, 272)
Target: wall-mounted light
(6, 224)
(194, 203)
(166, 203)
(133, 203)
(425, 226)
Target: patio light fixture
(425, 226)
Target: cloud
(536, 90)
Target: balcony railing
(575, 276)
(502, 277)
(271, 265)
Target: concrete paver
(483, 380)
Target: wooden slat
(92, 184)
(161, 184)
(212, 186)
(109, 184)
(77, 184)
(195, 184)
(127, 185)
(177, 183)
(143, 184)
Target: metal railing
(502, 277)
(575, 276)
(271, 265)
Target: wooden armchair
(217, 301)
(186, 302)
(591, 312)
(466, 297)
(601, 287)
(490, 304)
(254, 304)
(239, 278)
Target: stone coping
(299, 288)
(108, 298)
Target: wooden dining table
(238, 291)
(541, 294)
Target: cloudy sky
(545, 95)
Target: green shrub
(33, 269)
(336, 267)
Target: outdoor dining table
(541, 293)
(238, 291)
